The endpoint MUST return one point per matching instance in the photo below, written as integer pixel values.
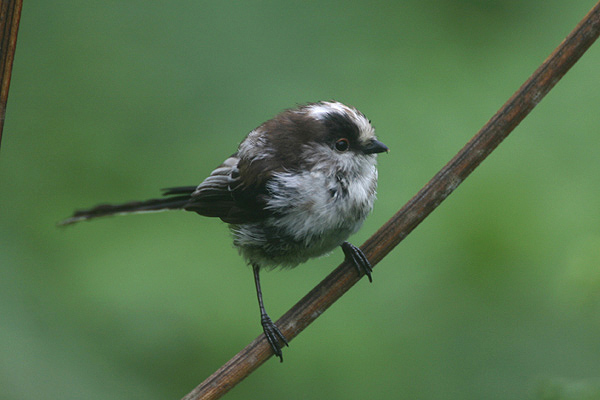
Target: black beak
(374, 146)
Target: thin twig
(415, 211)
(10, 15)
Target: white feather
(322, 109)
(314, 211)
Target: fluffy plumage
(299, 185)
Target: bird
(296, 188)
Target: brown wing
(235, 192)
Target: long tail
(177, 198)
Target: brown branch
(10, 15)
(415, 211)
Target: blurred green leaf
(111, 101)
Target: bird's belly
(311, 215)
(294, 237)
(269, 246)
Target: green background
(495, 296)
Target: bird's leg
(272, 332)
(357, 257)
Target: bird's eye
(342, 144)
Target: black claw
(358, 258)
(273, 335)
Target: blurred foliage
(497, 291)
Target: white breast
(315, 204)
(313, 212)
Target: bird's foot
(357, 257)
(273, 335)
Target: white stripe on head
(321, 109)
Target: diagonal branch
(415, 211)
(10, 15)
